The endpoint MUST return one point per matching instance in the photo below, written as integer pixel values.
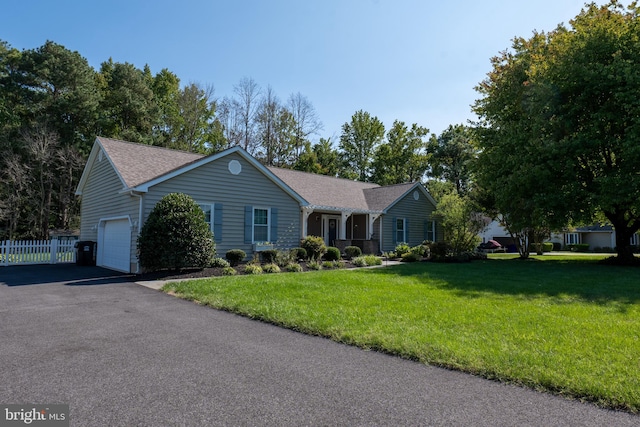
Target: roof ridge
(373, 184)
(157, 147)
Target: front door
(331, 230)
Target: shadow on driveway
(67, 274)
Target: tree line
(53, 104)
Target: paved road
(121, 355)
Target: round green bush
(235, 256)
(219, 263)
(175, 236)
(314, 246)
(333, 254)
(299, 253)
(352, 252)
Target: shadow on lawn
(568, 280)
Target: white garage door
(114, 249)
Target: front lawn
(562, 324)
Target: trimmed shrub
(418, 250)
(269, 256)
(175, 235)
(229, 271)
(333, 254)
(235, 256)
(411, 257)
(299, 253)
(252, 269)
(440, 250)
(352, 251)
(294, 267)
(401, 249)
(557, 246)
(219, 263)
(314, 246)
(546, 247)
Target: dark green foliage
(411, 257)
(578, 247)
(333, 254)
(314, 245)
(545, 246)
(235, 256)
(269, 256)
(352, 252)
(175, 236)
(440, 250)
(299, 253)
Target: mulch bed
(198, 273)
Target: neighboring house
(244, 202)
(598, 237)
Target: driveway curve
(121, 354)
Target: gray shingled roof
(379, 198)
(326, 191)
(138, 163)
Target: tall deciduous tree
(403, 157)
(451, 156)
(306, 121)
(560, 124)
(247, 103)
(197, 108)
(359, 139)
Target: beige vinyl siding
(101, 198)
(214, 183)
(416, 212)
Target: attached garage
(114, 244)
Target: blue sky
(414, 61)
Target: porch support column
(343, 225)
(372, 219)
(306, 212)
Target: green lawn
(562, 324)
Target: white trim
(95, 151)
(253, 223)
(404, 230)
(212, 212)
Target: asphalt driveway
(122, 354)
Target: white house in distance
(598, 237)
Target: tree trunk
(624, 230)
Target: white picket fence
(23, 252)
